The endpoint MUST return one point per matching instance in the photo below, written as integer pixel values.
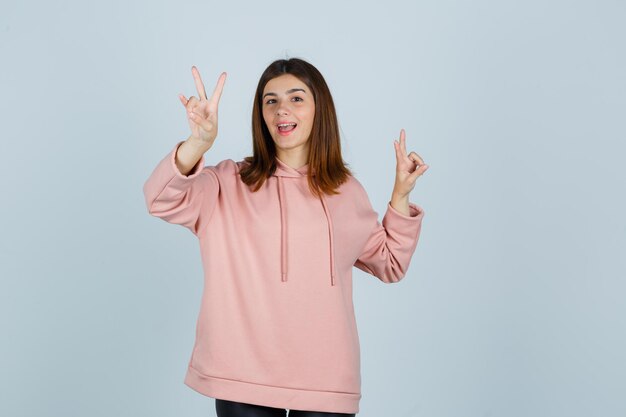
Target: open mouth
(286, 127)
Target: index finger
(403, 140)
(198, 81)
(217, 92)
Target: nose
(282, 109)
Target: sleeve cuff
(195, 171)
(415, 212)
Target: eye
(298, 98)
(268, 101)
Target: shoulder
(354, 197)
(353, 188)
(224, 168)
(219, 173)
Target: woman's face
(286, 99)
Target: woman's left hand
(408, 168)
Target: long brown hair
(324, 143)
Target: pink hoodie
(276, 325)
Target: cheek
(308, 115)
(311, 113)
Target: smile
(286, 129)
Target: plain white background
(514, 301)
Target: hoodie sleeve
(187, 200)
(391, 245)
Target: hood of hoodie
(286, 173)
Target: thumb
(418, 172)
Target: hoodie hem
(272, 396)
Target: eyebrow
(288, 92)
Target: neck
(295, 160)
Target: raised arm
(391, 245)
(187, 200)
(181, 189)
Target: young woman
(279, 234)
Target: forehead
(283, 83)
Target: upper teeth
(287, 124)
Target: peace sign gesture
(202, 112)
(408, 169)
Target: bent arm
(184, 199)
(388, 251)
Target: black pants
(226, 408)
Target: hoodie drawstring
(330, 236)
(285, 171)
(283, 233)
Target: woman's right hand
(202, 112)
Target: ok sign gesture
(202, 112)
(408, 169)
